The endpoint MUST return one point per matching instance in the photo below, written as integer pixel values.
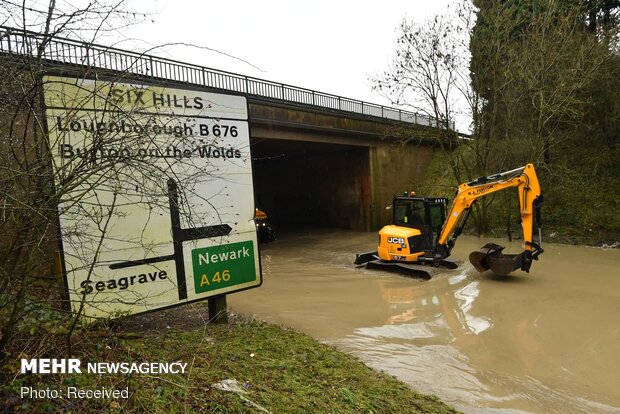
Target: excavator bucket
(490, 256)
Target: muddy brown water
(547, 342)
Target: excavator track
(371, 260)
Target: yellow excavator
(423, 232)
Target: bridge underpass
(300, 183)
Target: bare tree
(81, 168)
(430, 73)
(425, 73)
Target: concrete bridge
(319, 159)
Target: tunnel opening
(311, 184)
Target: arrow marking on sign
(179, 235)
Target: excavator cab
(425, 214)
(410, 241)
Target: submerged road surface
(547, 342)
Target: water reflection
(447, 307)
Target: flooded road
(547, 342)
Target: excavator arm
(490, 255)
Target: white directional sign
(156, 194)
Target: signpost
(156, 194)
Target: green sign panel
(222, 266)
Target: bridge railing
(70, 52)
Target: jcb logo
(396, 240)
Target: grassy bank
(270, 369)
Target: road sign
(149, 178)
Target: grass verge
(274, 370)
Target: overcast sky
(329, 46)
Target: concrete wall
(396, 168)
(335, 128)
